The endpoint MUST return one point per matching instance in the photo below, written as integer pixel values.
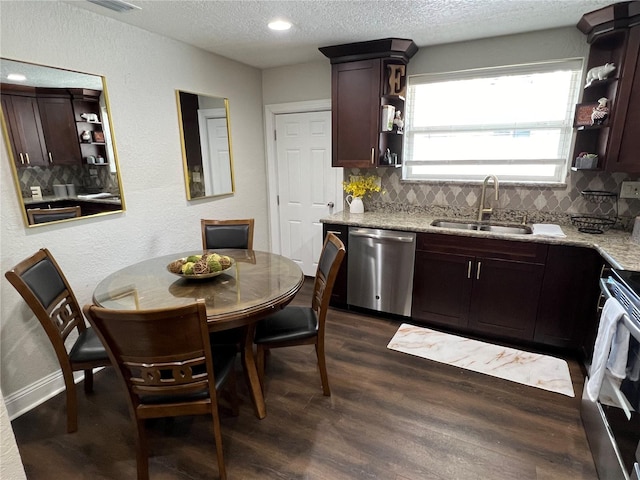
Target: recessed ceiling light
(279, 25)
(16, 77)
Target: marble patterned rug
(535, 370)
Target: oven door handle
(633, 326)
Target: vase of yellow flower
(355, 204)
(357, 187)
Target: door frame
(270, 112)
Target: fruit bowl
(201, 267)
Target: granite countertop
(112, 200)
(615, 246)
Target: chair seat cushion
(289, 324)
(88, 348)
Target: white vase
(355, 204)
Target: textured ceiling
(238, 29)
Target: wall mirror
(206, 144)
(59, 136)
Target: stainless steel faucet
(482, 209)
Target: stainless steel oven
(612, 421)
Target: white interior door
(308, 187)
(214, 143)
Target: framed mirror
(59, 136)
(205, 134)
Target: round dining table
(257, 284)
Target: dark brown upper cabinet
(613, 33)
(368, 86)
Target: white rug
(540, 371)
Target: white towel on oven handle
(611, 349)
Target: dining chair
(45, 289)
(227, 233)
(296, 325)
(44, 215)
(166, 364)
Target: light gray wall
(142, 71)
(297, 83)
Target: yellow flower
(359, 186)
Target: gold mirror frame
(69, 170)
(205, 138)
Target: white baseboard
(29, 397)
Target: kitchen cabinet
(478, 285)
(59, 127)
(24, 128)
(339, 293)
(614, 36)
(567, 314)
(368, 84)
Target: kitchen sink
(510, 228)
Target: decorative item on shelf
(386, 157)
(357, 187)
(599, 73)
(600, 112)
(99, 159)
(586, 160)
(86, 136)
(98, 137)
(399, 122)
(91, 159)
(388, 112)
(90, 117)
(397, 86)
(582, 118)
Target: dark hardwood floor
(391, 416)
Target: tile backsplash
(539, 203)
(86, 178)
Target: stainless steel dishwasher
(380, 269)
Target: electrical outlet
(630, 190)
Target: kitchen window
(514, 122)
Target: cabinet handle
(372, 155)
(21, 159)
(469, 269)
(27, 155)
(50, 158)
(478, 272)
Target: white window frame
(560, 164)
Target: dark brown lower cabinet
(478, 285)
(339, 293)
(567, 315)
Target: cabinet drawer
(485, 247)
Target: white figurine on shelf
(601, 112)
(398, 121)
(599, 73)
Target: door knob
(330, 204)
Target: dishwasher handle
(392, 237)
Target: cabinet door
(567, 316)
(504, 300)
(59, 126)
(627, 117)
(442, 288)
(339, 293)
(26, 131)
(355, 113)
